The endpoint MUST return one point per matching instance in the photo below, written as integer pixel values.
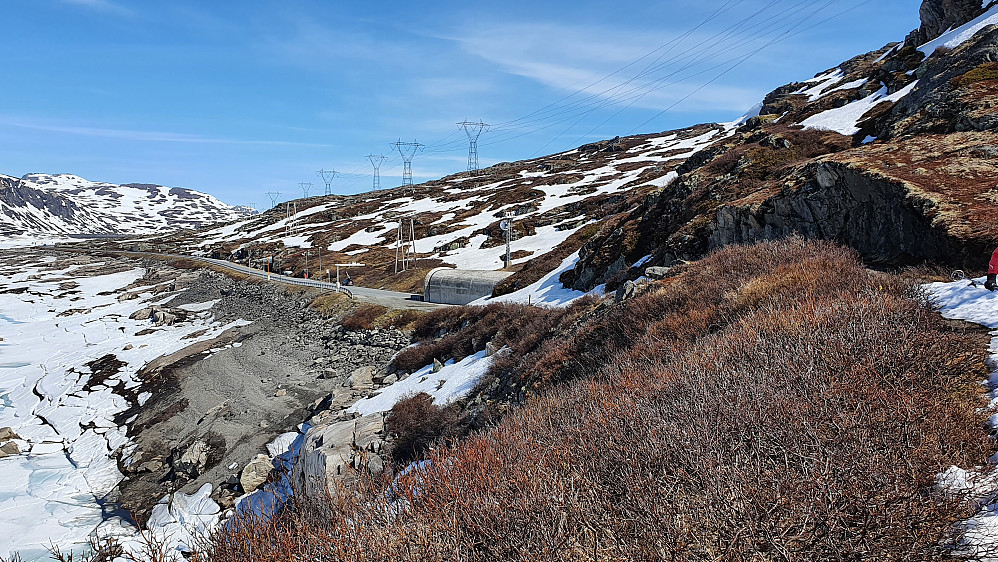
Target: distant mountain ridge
(65, 204)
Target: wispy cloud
(147, 136)
(616, 67)
(100, 5)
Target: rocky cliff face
(939, 16)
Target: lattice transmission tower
(274, 196)
(376, 161)
(473, 129)
(305, 188)
(407, 150)
(327, 178)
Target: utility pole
(327, 177)
(305, 188)
(473, 129)
(405, 245)
(376, 161)
(291, 211)
(407, 150)
(507, 225)
(274, 196)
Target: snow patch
(956, 37)
(452, 382)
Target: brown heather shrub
(363, 317)
(402, 319)
(416, 422)
(773, 402)
(467, 329)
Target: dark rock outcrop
(953, 93)
(880, 218)
(938, 16)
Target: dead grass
(457, 332)
(363, 317)
(401, 319)
(331, 304)
(981, 73)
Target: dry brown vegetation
(363, 317)
(986, 71)
(416, 423)
(773, 402)
(457, 332)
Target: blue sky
(238, 98)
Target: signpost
(507, 225)
(339, 265)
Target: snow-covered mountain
(63, 204)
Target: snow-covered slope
(48, 205)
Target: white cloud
(144, 136)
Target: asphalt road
(390, 299)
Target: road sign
(504, 224)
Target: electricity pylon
(274, 196)
(327, 177)
(376, 161)
(305, 188)
(474, 130)
(407, 150)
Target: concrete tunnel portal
(445, 285)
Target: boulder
(657, 272)
(362, 378)
(6, 434)
(9, 449)
(162, 318)
(375, 464)
(142, 313)
(194, 459)
(367, 432)
(437, 365)
(255, 473)
(625, 291)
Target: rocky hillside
(891, 153)
(63, 204)
(556, 203)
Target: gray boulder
(255, 473)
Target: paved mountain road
(390, 299)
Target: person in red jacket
(992, 272)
